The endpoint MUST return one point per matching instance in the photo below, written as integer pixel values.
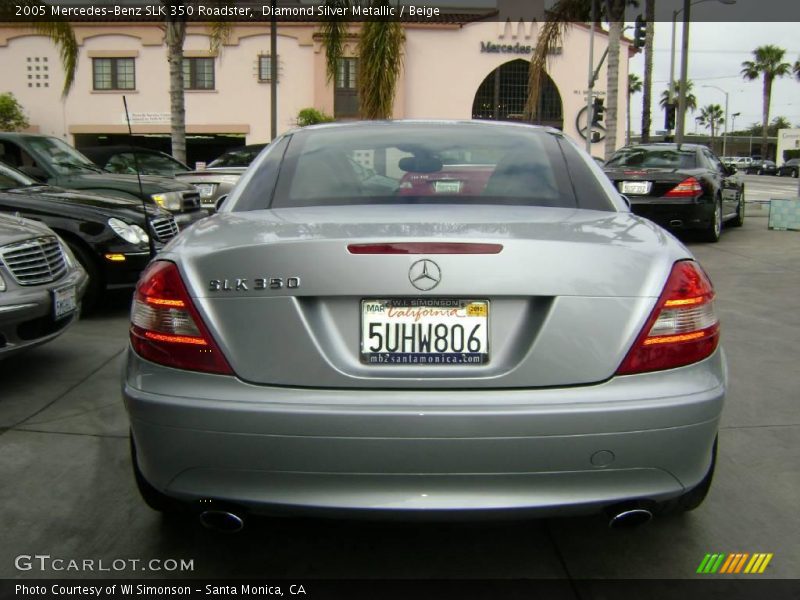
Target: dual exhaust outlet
(621, 517)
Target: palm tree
(768, 63)
(796, 68)
(691, 99)
(59, 32)
(380, 51)
(175, 36)
(649, 16)
(634, 86)
(711, 116)
(559, 18)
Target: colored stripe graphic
(734, 563)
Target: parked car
(740, 163)
(50, 160)
(682, 187)
(221, 174)
(107, 235)
(41, 285)
(790, 168)
(761, 167)
(130, 159)
(532, 345)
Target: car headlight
(2, 283)
(128, 232)
(69, 258)
(169, 200)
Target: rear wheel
(695, 496)
(738, 221)
(712, 232)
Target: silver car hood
(569, 292)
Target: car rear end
(426, 357)
(665, 185)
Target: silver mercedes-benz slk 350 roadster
(424, 318)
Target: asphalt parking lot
(67, 489)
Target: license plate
(206, 189)
(64, 302)
(636, 187)
(447, 187)
(424, 331)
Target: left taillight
(166, 327)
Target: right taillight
(166, 327)
(688, 188)
(683, 327)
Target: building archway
(502, 96)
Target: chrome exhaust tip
(222, 520)
(627, 519)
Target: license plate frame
(447, 186)
(636, 188)
(65, 301)
(466, 331)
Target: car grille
(164, 228)
(36, 261)
(191, 199)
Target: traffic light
(669, 117)
(639, 32)
(597, 111)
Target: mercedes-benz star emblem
(424, 274)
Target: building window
(113, 74)
(346, 73)
(265, 68)
(198, 73)
(345, 95)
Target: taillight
(166, 327)
(683, 327)
(688, 188)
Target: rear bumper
(564, 450)
(697, 214)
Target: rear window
(653, 158)
(422, 163)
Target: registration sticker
(65, 301)
(424, 331)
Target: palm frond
(334, 33)
(220, 35)
(381, 60)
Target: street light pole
(679, 123)
(725, 122)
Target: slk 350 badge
(259, 283)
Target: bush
(12, 118)
(312, 116)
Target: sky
(716, 53)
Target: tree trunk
(647, 85)
(176, 34)
(765, 117)
(612, 80)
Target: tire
(713, 231)
(694, 497)
(794, 173)
(759, 172)
(738, 220)
(95, 287)
(151, 496)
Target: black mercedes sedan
(108, 236)
(678, 186)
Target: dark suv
(50, 160)
(109, 236)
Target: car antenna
(150, 243)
